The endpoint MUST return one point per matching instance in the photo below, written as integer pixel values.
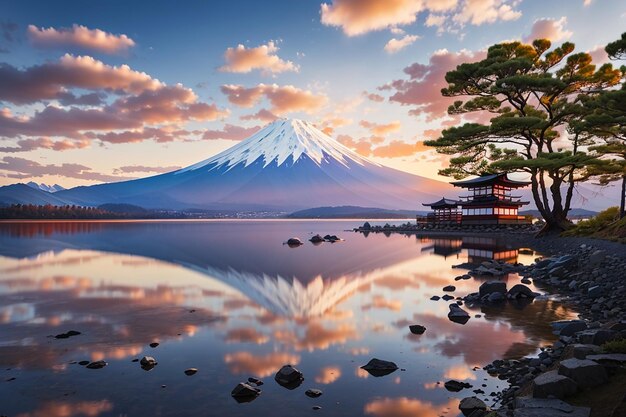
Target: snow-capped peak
(45, 187)
(280, 141)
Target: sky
(101, 91)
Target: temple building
(489, 201)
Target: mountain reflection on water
(229, 299)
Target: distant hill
(24, 194)
(45, 187)
(349, 212)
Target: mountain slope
(288, 165)
(25, 194)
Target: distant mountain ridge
(45, 187)
(352, 212)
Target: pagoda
(444, 211)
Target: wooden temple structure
(488, 201)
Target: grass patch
(615, 346)
(605, 225)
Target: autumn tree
(531, 94)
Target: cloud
(374, 97)
(435, 20)
(129, 169)
(478, 12)
(284, 99)
(552, 29)
(8, 30)
(397, 148)
(381, 129)
(264, 58)
(79, 37)
(406, 407)
(25, 145)
(395, 45)
(599, 55)
(24, 168)
(230, 132)
(330, 122)
(423, 88)
(159, 134)
(263, 115)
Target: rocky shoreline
(588, 275)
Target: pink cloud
(25, 145)
(423, 88)
(381, 129)
(263, 57)
(230, 132)
(79, 36)
(374, 97)
(284, 99)
(24, 168)
(478, 12)
(262, 115)
(599, 55)
(551, 29)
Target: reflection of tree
(31, 229)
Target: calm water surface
(229, 299)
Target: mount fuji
(288, 165)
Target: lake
(228, 298)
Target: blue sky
(186, 44)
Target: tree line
(48, 211)
(553, 115)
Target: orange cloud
(319, 337)
(395, 45)
(284, 99)
(262, 115)
(24, 168)
(406, 407)
(397, 148)
(25, 145)
(79, 37)
(459, 372)
(478, 12)
(381, 129)
(258, 365)
(549, 29)
(230, 132)
(244, 60)
(328, 375)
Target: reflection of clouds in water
(378, 301)
(406, 407)
(259, 366)
(328, 375)
(70, 409)
(245, 335)
(15, 313)
(460, 372)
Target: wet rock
(449, 288)
(83, 363)
(539, 407)
(571, 327)
(147, 363)
(331, 238)
(294, 242)
(551, 384)
(469, 405)
(417, 329)
(457, 314)
(289, 377)
(244, 392)
(191, 371)
(585, 373)
(456, 386)
(520, 291)
(255, 381)
(154, 344)
(495, 298)
(96, 365)
(316, 239)
(447, 297)
(490, 287)
(67, 335)
(317, 407)
(378, 367)
(313, 392)
(435, 298)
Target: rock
(573, 327)
(316, 239)
(580, 351)
(457, 314)
(367, 226)
(313, 392)
(244, 392)
(551, 384)
(608, 357)
(191, 371)
(595, 336)
(447, 297)
(585, 373)
(435, 298)
(378, 367)
(317, 407)
(470, 404)
(331, 238)
(67, 335)
(255, 381)
(456, 386)
(83, 363)
(495, 297)
(520, 291)
(154, 344)
(97, 365)
(594, 291)
(449, 288)
(417, 329)
(526, 281)
(294, 242)
(148, 362)
(490, 287)
(539, 407)
(618, 327)
(289, 377)
(596, 258)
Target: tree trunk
(622, 201)
(556, 223)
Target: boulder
(313, 392)
(470, 404)
(608, 357)
(490, 287)
(378, 367)
(449, 288)
(585, 373)
(456, 386)
(580, 351)
(294, 241)
(417, 329)
(595, 336)
(540, 407)
(520, 291)
(551, 384)
(244, 392)
(289, 377)
(457, 314)
(572, 327)
(316, 239)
